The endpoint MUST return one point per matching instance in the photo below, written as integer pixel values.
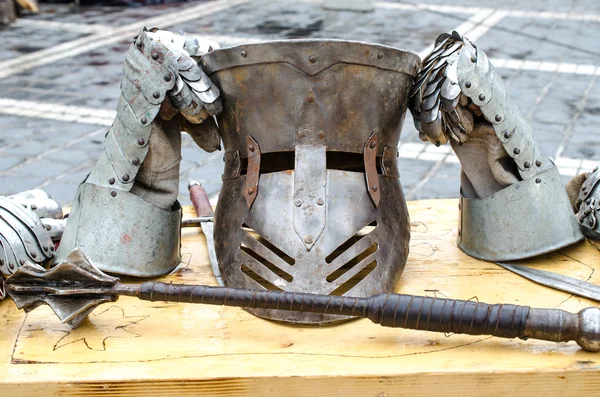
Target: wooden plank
(150, 348)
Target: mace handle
(404, 311)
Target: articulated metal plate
(529, 218)
(588, 205)
(23, 237)
(327, 117)
(130, 236)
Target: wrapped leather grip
(294, 301)
(389, 310)
(448, 315)
(200, 200)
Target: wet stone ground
(59, 78)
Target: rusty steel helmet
(311, 198)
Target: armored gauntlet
(584, 193)
(28, 223)
(513, 204)
(126, 215)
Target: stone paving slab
(564, 107)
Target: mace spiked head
(73, 288)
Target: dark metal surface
(312, 226)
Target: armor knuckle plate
(311, 200)
(23, 237)
(588, 205)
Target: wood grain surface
(138, 348)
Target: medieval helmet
(311, 198)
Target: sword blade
(556, 281)
(208, 230)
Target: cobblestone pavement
(60, 73)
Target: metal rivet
(155, 56)
(308, 240)
(482, 97)
(156, 95)
(125, 177)
(372, 145)
(251, 190)
(591, 221)
(498, 117)
(312, 59)
(538, 163)
(135, 161)
(321, 135)
(111, 181)
(380, 55)
(11, 265)
(516, 150)
(33, 207)
(22, 262)
(141, 141)
(167, 78)
(298, 203)
(473, 58)
(468, 84)
(320, 201)
(507, 134)
(251, 148)
(526, 164)
(33, 255)
(538, 180)
(244, 54)
(48, 227)
(144, 120)
(52, 248)
(374, 188)
(113, 193)
(45, 247)
(583, 187)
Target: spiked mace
(75, 287)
